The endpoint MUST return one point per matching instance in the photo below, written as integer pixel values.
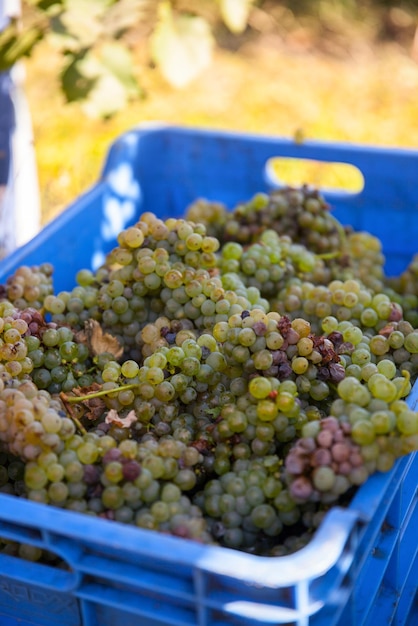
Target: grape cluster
(143, 483)
(346, 301)
(31, 420)
(361, 257)
(226, 377)
(269, 263)
(299, 213)
(255, 343)
(303, 216)
(404, 289)
(212, 214)
(52, 355)
(324, 466)
(368, 428)
(29, 286)
(160, 269)
(247, 506)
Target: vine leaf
(235, 14)
(82, 21)
(15, 45)
(74, 83)
(181, 46)
(103, 78)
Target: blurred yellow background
(342, 81)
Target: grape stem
(96, 394)
(402, 390)
(328, 255)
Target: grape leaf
(45, 5)
(75, 84)
(94, 407)
(181, 46)
(115, 84)
(235, 14)
(103, 78)
(82, 21)
(14, 46)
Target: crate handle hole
(334, 177)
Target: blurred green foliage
(95, 38)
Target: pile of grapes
(227, 377)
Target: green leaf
(181, 46)
(127, 14)
(102, 78)
(76, 84)
(8, 39)
(82, 20)
(106, 98)
(61, 39)
(116, 58)
(235, 14)
(45, 5)
(15, 45)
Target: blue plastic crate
(361, 568)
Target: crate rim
(341, 530)
(333, 533)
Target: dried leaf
(99, 341)
(124, 422)
(81, 336)
(95, 407)
(84, 391)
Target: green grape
(260, 387)
(74, 471)
(54, 471)
(407, 422)
(384, 422)
(52, 359)
(87, 453)
(382, 388)
(112, 497)
(387, 368)
(51, 422)
(35, 476)
(68, 351)
(267, 410)
(58, 492)
(323, 478)
(263, 516)
(363, 432)
(379, 345)
(411, 342)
